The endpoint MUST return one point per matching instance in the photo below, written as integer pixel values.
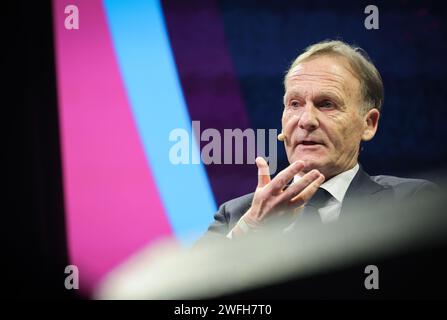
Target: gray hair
(370, 80)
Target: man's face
(322, 121)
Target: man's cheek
(335, 149)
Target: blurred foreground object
(406, 242)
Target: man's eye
(327, 104)
(294, 104)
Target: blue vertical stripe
(148, 70)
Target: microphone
(281, 136)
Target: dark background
(34, 219)
(262, 38)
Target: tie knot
(319, 199)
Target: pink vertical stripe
(112, 204)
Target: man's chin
(311, 163)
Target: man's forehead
(329, 72)
(325, 66)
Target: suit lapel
(362, 190)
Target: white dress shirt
(337, 187)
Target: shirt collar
(338, 185)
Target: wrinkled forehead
(323, 73)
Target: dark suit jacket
(364, 189)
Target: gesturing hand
(271, 200)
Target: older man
(332, 102)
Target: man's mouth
(309, 143)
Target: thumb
(263, 172)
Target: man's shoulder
(227, 216)
(393, 181)
(404, 186)
(238, 203)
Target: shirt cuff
(242, 225)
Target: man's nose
(308, 118)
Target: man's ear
(371, 121)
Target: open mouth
(309, 143)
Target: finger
(280, 181)
(263, 172)
(296, 188)
(308, 192)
